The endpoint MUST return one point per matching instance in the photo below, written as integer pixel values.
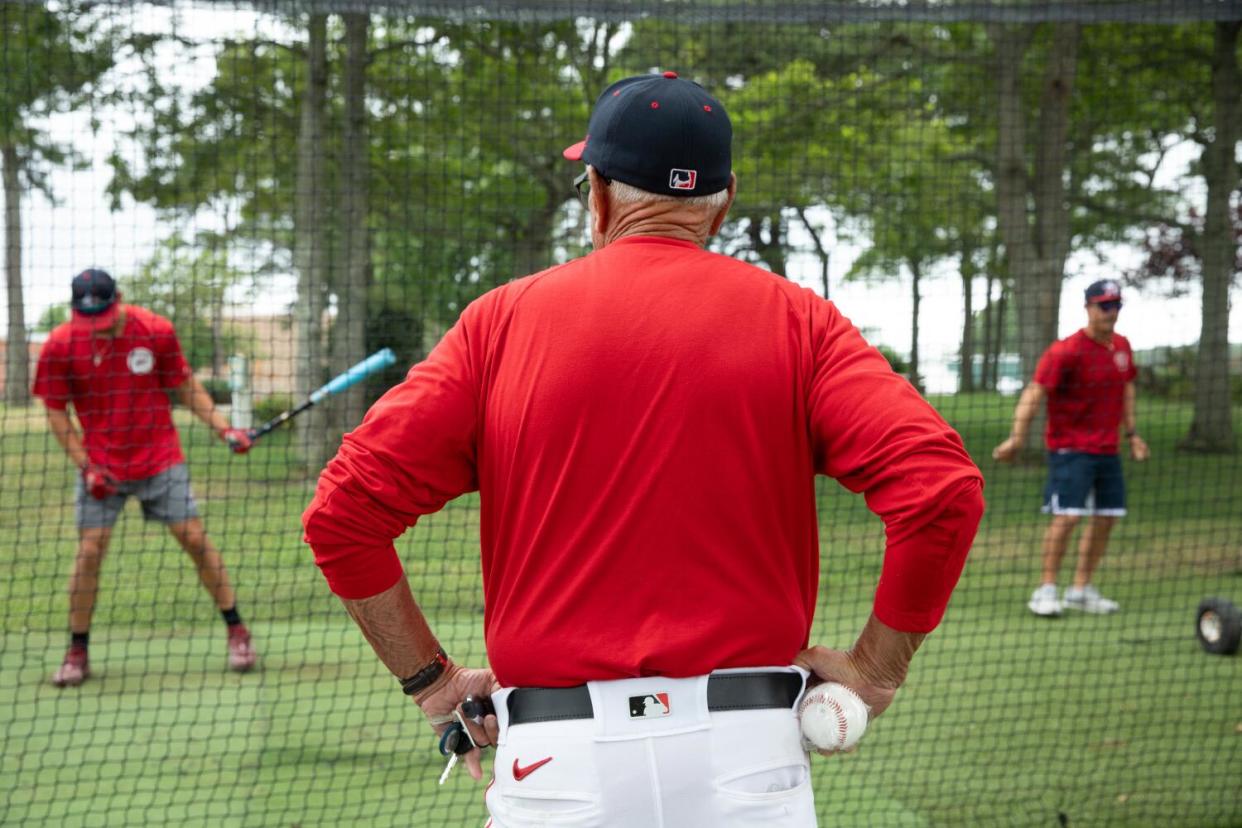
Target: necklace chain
(97, 356)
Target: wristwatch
(427, 676)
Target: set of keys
(456, 740)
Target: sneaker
(75, 669)
(1089, 599)
(241, 654)
(1044, 601)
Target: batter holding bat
(644, 425)
(114, 364)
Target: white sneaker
(1089, 599)
(1044, 601)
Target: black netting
(298, 185)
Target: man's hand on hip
(826, 664)
(874, 668)
(440, 700)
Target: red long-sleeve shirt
(644, 425)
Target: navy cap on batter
(94, 300)
(661, 134)
(1105, 290)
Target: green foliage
(392, 325)
(52, 316)
(895, 360)
(51, 61)
(454, 209)
(273, 405)
(219, 390)
(1169, 373)
(187, 284)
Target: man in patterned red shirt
(115, 363)
(1088, 380)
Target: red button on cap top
(670, 75)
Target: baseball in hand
(833, 717)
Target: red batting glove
(100, 482)
(238, 439)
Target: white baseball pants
(652, 756)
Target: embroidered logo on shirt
(1122, 360)
(651, 706)
(140, 361)
(520, 773)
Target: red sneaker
(241, 654)
(75, 669)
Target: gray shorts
(165, 497)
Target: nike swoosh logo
(520, 773)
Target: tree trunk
(985, 332)
(770, 248)
(820, 250)
(217, 334)
(17, 360)
(916, 379)
(1211, 429)
(998, 332)
(966, 374)
(310, 243)
(533, 239)
(1036, 245)
(1052, 159)
(349, 343)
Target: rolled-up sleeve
(873, 433)
(413, 452)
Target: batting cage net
(293, 187)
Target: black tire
(1218, 626)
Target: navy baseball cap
(1105, 290)
(94, 300)
(661, 134)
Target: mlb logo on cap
(682, 179)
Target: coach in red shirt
(644, 425)
(114, 364)
(1088, 381)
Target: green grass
(1006, 719)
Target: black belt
(725, 691)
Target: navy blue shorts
(1084, 484)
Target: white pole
(241, 414)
